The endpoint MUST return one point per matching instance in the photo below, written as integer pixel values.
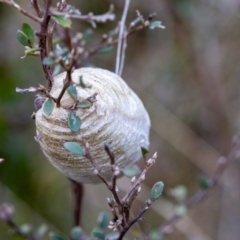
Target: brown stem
(43, 34)
(19, 232)
(67, 83)
(78, 191)
(138, 218)
(36, 7)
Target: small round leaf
(23, 39)
(204, 182)
(84, 104)
(131, 171)
(27, 29)
(54, 236)
(181, 210)
(74, 147)
(65, 22)
(41, 231)
(105, 50)
(72, 91)
(98, 233)
(74, 122)
(156, 191)
(76, 233)
(48, 61)
(103, 220)
(48, 106)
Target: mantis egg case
(117, 118)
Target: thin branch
(109, 16)
(18, 230)
(105, 43)
(139, 217)
(42, 35)
(121, 38)
(37, 8)
(21, 10)
(201, 194)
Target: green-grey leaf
(76, 233)
(41, 231)
(205, 183)
(81, 83)
(84, 104)
(131, 171)
(74, 122)
(88, 35)
(31, 52)
(98, 233)
(48, 106)
(65, 22)
(23, 39)
(27, 29)
(74, 147)
(48, 61)
(57, 69)
(181, 210)
(156, 24)
(54, 236)
(26, 228)
(155, 235)
(144, 151)
(157, 190)
(105, 50)
(180, 192)
(103, 220)
(112, 236)
(72, 91)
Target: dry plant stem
(36, 7)
(78, 191)
(201, 194)
(104, 44)
(138, 218)
(42, 35)
(18, 231)
(90, 17)
(67, 83)
(21, 10)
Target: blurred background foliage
(188, 78)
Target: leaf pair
(26, 36)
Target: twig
(36, 7)
(21, 10)
(18, 231)
(201, 194)
(43, 42)
(139, 217)
(109, 16)
(121, 37)
(104, 44)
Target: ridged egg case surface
(117, 118)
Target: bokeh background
(188, 78)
